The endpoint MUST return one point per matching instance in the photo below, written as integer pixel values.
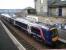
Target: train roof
(45, 25)
(22, 20)
(32, 23)
(6, 15)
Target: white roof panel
(6, 15)
(22, 20)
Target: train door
(29, 29)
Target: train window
(35, 30)
(54, 32)
(21, 24)
(11, 20)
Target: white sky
(16, 4)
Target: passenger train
(38, 30)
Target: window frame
(22, 25)
(33, 31)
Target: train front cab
(51, 36)
(48, 36)
(55, 35)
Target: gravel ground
(51, 20)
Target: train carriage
(40, 31)
(47, 34)
(20, 22)
(8, 18)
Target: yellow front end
(55, 38)
(55, 35)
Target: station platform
(5, 41)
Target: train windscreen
(54, 32)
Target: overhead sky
(16, 4)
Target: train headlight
(55, 38)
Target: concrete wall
(41, 8)
(64, 11)
(37, 6)
(54, 11)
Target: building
(26, 11)
(51, 7)
(58, 8)
(30, 10)
(41, 7)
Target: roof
(29, 8)
(22, 20)
(57, 4)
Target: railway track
(28, 41)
